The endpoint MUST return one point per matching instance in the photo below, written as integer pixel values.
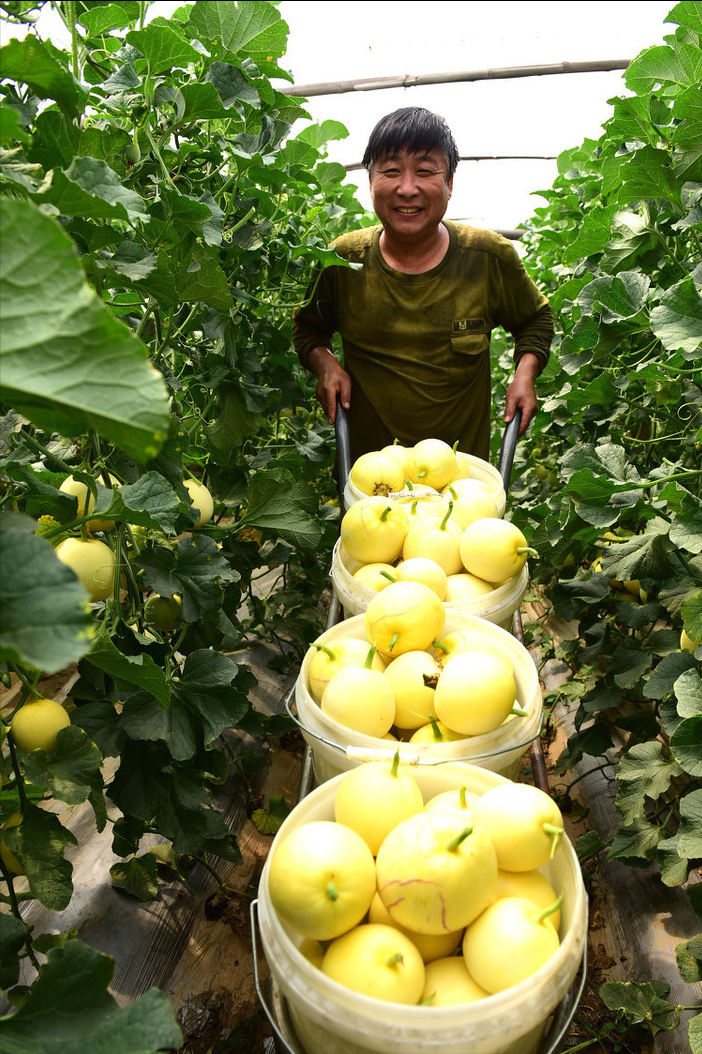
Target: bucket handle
(269, 1011)
(415, 758)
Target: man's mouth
(407, 211)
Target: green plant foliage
(609, 488)
(159, 224)
(69, 1006)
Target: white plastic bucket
(336, 748)
(331, 1019)
(479, 469)
(498, 606)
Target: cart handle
(508, 447)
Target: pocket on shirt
(469, 343)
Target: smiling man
(416, 318)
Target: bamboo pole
(409, 80)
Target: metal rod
(343, 447)
(409, 80)
(509, 445)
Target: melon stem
(332, 891)
(323, 647)
(393, 641)
(556, 906)
(454, 844)
(555, 833)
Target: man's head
(417, 131)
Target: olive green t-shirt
(417, 346)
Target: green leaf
(69, 1010)
(99, 18)
(687, 136)
(677, 321)
(695, 1023)
(234, 422)
(690, 830)
(675, 868)
(641, 1003)
(163, 48)
(72, 773)
(89, 187)
(248, 27)
(643, 556)
(662, 681)
(10, 128)
(66, 363)
(207, 688)
(593, 235)
(686, 745)
(286, 511)
(202, 102)
(13, 934)
(140, 670)
(195, 570)
(150, 502)
(319, 134)
(138, 877)
(649, 174)
(204, 703)
(616, 298)
(631, 662)
(671, 67)
(691, 611)
(635, 843)
(643, 772)
(204, 281)
(187, 818)
(46, 618)
(688, 692)
(30, 62)
(270, 820)
(688, 956)
(232, 86)
(38, 843)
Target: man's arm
(332, 380)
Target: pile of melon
(430, 904)
(408, 681)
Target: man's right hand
(332, 380)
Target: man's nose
(407, 183)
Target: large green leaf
(69, 1011)
(285, 510)
(163, 48)
(30, 62)
(196, 571)
(140, 670)
(46, 617)
(673, 68)
(247, 27)
(677, 321)
(66, 363)
(90, 187)
(38, 843)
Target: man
(415, 319)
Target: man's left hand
(520, 394)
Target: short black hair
(416, 130)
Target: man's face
(410, 192)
